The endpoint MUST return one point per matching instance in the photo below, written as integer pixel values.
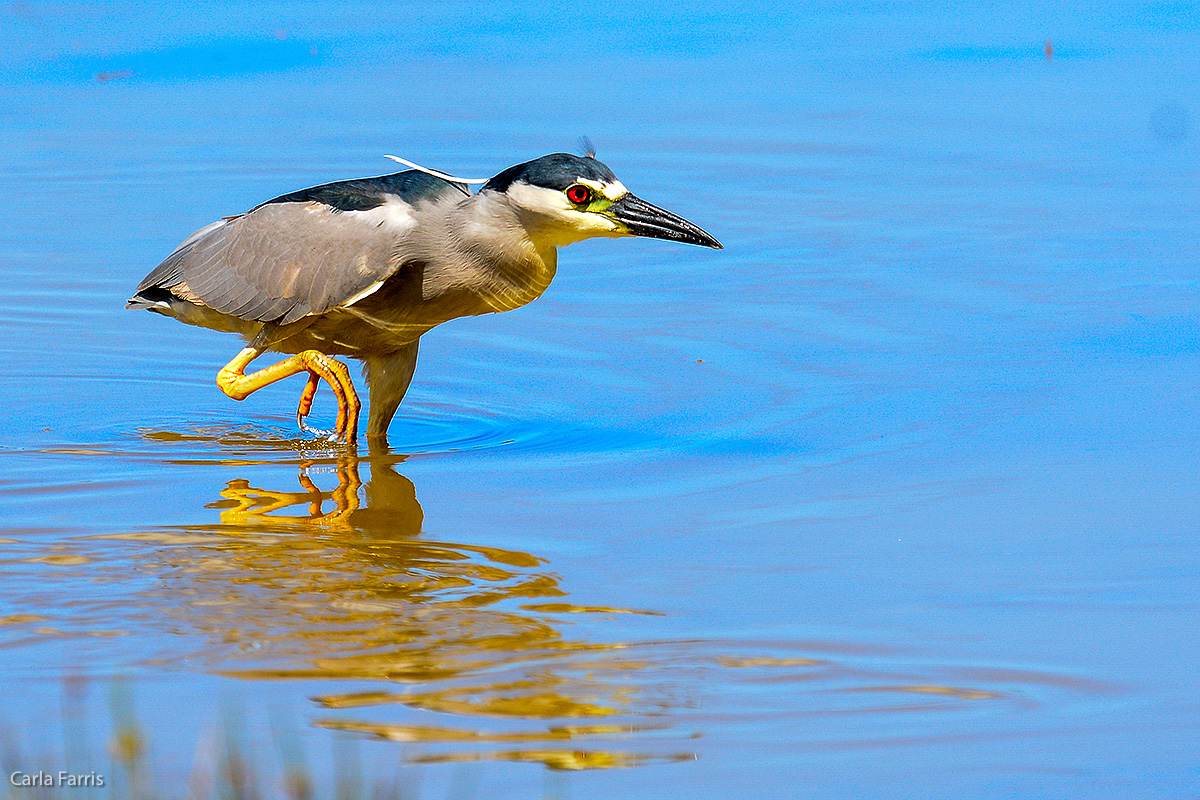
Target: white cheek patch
(569, 224)
(550, 202)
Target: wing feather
(302, 253)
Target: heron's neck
(510, 267)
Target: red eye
(579, 194)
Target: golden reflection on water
(468, 652)
(560, 759)
(302, 582)
(554, 758)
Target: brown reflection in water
(458, 652)
(561, 759)
(391, 509)
(572, 759)
(301, 582)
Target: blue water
(893, 497)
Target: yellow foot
(233, 381)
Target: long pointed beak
(645, 219)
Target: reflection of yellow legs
(233, 381)
(256, 506)
(344, 497)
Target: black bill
(644, 219)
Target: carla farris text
(61, 778)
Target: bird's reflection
(390, 510)
(338, 583)
(319, 570)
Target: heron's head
(564, 198)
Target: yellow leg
(306, 397)
(233, 381)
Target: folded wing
(302, 253)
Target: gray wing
(303, 253)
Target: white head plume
(437, 174)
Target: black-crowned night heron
(363, 268)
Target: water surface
(895, 496)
